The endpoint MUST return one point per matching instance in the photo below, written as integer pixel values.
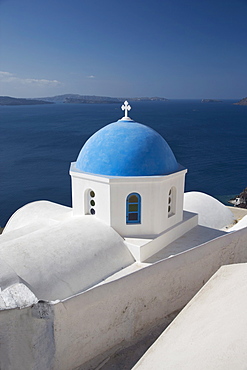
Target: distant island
(241, 102)
(94, 99)
(211, 101)
(72, 99)
(7, 100)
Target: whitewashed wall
(154, 204)
(77, 330)
(81, 183)
(119, 311)
(27, 338)
(111, 194)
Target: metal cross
(126, 107)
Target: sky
(176, 49)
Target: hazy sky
(167, 48)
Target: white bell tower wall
(159, 206)
(90, 195)
(161, 203)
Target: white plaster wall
(27, 338)
(144, 251)
(80, 184)
(154, 204)
(68, 334)
(113, 314)
(111, 194)
(212, 326)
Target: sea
(38, 143)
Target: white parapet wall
(73, 332)
(142, 249)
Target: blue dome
(126, 148)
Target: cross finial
(126, 107)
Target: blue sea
(38, 143)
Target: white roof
(61, 257)
(210, 333)
(211, 213)
(36, 214)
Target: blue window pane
(133, 216)
(133, 209)
(133, 199)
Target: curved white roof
(62, 259)
(43, 212)
(211, 213)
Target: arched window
(171, 207)
(133, 209)
(89, 202)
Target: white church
(77, 284)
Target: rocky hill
(211, 101)
(94, 99)
(242, 102)
(7, 100)
(240, 200)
